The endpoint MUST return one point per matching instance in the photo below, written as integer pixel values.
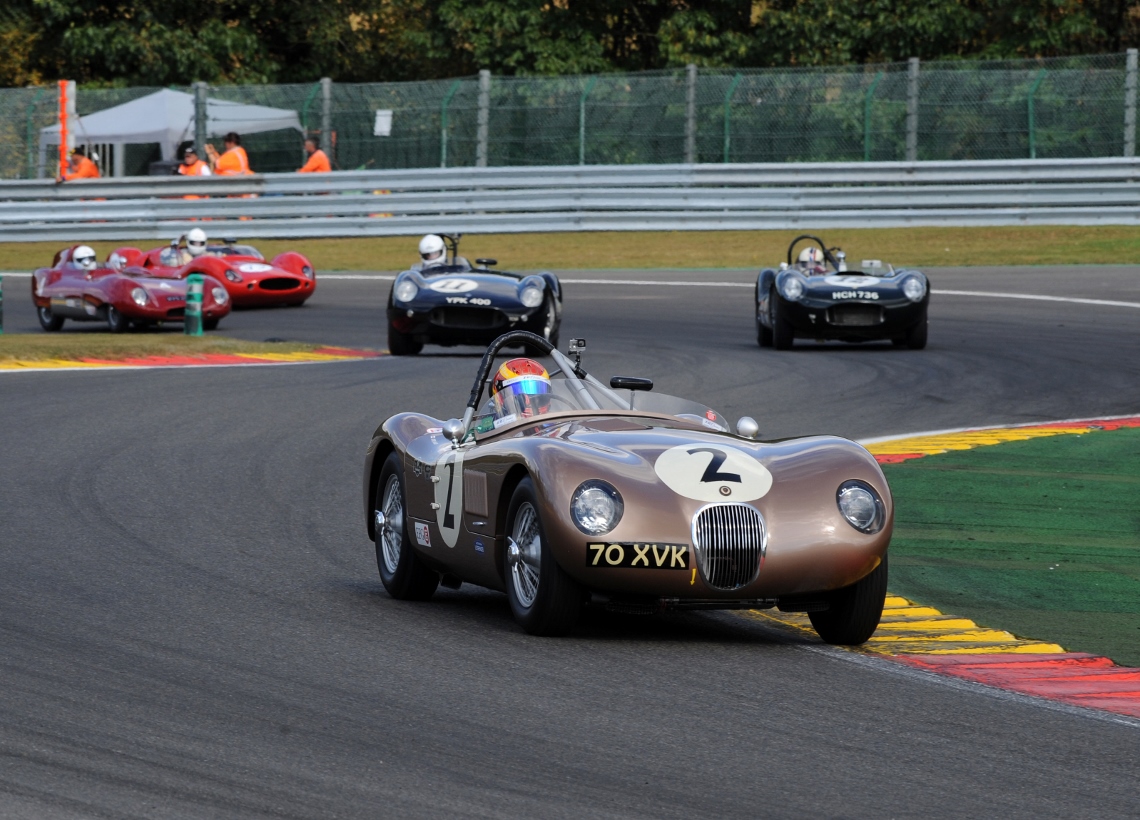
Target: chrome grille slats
(729, 542)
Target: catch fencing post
(484, 119)
(1032, 113)
(728, 112)
(326, 116)
(66, 123)
(912, 110)
(691, 114)
(201, 90)
(1130, 104)
(582, 119)
(192, 320)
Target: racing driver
(521, 389)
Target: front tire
(854, 611)
(116, 321)
(782, 333)
(401, 571)
(916, 336)
(544, 599)
(210, 324)
(402, 344)
(49, 321)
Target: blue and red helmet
(521, 386)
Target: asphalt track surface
(192, 625)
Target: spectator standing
(318, 162)
(234, 162)
(80, 167)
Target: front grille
(176, 313)
(468, 318)
(855, 315)
(729, 542)
(279, 283)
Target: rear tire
(401, 571)
(782, 333)
(854, 611)
(916, 336)
(49, 321)
(544, 599)
(116, 321)
(402, 344)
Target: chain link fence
(949, 110)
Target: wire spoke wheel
(392, 526)
(524, 551)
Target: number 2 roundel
(713, 472)
(449, 495)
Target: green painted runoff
(1040, 537)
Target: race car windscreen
(234, 250)
(507, 409)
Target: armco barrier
(577, 198)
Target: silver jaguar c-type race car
(564, 492)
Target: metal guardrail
(577, 198)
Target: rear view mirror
(630, 383)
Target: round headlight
(308, 271)
(140, 297)
(531, 297)
(861, 506)
(791, 288)
(596, 507)
(233, 275)
(220, 295)
(406, 290)
(914, 288)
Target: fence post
(1033, 114)
(728, 112)
(1130, 105)
(867, 116)
(912, 110)
(326, 116)
(484, 120)
(582, 119)
(66, 123)
(443, 123)
(200, 113)
(691, 114)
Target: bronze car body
(711, 519)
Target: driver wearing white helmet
(83, 257)
(196, 242)
(174, 256)
(433, 253)
(812, 259)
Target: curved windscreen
(567, 395)
(234, 250)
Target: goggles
(191, 243)
(85, 260)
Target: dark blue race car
(817, 297)
(454, 303)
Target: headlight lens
(406, 290)
(531, 297)
(220, 295)
(140, 297)
(861, 506)
(914, 288)
(791, 287)
(596, 507)
(233, 275)
(308, 271)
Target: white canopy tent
(167, 117)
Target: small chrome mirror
(747, 427)
(453, 429)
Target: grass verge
(76, 346)
(1039, 537)
(920, 247)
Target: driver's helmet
(521, 387)
(432, 250)
(812, 257)
(196, 242)
(84, 258)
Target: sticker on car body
(254, 267)
(638, 555)
(454, 285)
(852, 281)
(423, 534)
(713, 473)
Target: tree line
(168, 42)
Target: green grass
(921, 247)
(91, 345)
(1040, 537)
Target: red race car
(76, 287)
(251, 281)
